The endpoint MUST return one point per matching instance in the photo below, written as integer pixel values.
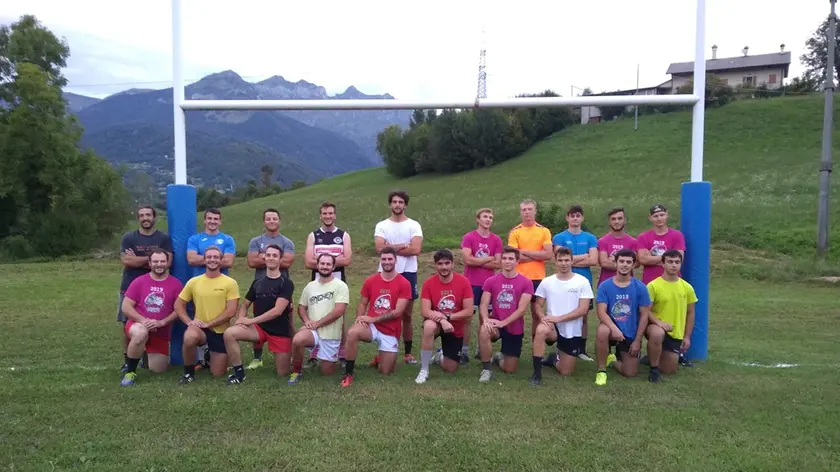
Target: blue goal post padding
(696, 225)
(181, 218)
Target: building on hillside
(749, 71)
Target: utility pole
(828, 123)
(482, 72)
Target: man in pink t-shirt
(653, 243)
(612, 242)
(482, 252)
(149, 305)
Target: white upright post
(698, 119)
(178, 97)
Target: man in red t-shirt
(446, 303)
(385, 296)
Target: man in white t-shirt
(562, 302)
(406, 237)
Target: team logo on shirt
(483, 250)
(153, 302)
(504, 300)
(220, 241)
(446, 304)
(620, 311)
(338, 240)
(314, 299)
(658, 248)
(615, 249)
(382, 303)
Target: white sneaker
(485, 376)
(497, 358)
(582, 356)
(438, 357)
(422, 377)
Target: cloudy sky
(413, 50)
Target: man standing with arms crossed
(329, 239)
(482, 252)
(378, 317)
(406, 237)
(671, 318)
(256, 260)
(215, 296)
(508, 293)
(446, 304)
(534, 243)
(623, 311)
(562, 300)
(149, 306)
(584, 247)
(135, 248)
(272, 299)
(614, 241)
(322, 305)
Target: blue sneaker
(294, 378)
(128, 379)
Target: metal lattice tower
(482, 73)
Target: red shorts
(155, 344)
(278, 344)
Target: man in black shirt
(272, 299)
(135, 248)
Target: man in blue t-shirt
(211, 236)
(584, 247)
(623, 310)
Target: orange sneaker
(410, 359)
(374, 362)
(347, 380)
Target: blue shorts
(412, 280)
(477, 291)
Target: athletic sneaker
(422, 377)
(128, 379)
(465, 358)
(535, 380)
(551, 359)
(346, 380)
(410, 359)
(255, 364)
(485, 376)
(654, 376)
(124, 368)
(374, 362)
(186, 379)
(233, 380)
(610, 359)
(294, 378)
(601, 378)
(685, 362)
(497, 359)
(438, 357)
(311, 363)
(584, 357)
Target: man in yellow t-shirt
(672, 317)
(216, 297)
(321, 308)
(534, 243)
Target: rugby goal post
(696, 195)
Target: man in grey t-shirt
(256, 260)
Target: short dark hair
(213, 211)
(562, 250)
(625, 253)
(147, 207)
(158, 251)
(388, 250)
(672, 253)
(511, 250)
(443, 255)
(325, 254)
(398, 193)
(574, 209)
(275, 246)
(328, 204)
(271, 210)
(614, 211)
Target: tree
(815, 59)
(418, 117)
(266, 172)
(54, 198)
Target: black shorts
(571, 346)
(451, 345)
(412, 280)
(511, 343)
(477, 292)
(215, 341)
(621, 346)
(669, 344)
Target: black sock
(538, 360)
(257, 354)
(349, 366)
(408, 347)
(239, 371)
(132, 364)
(125, 358)
(654, 368)
(189, 369)
(602, 370)
(486, 365)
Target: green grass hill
(761, 156)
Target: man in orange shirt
(534, 243)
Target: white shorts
(327, 348)
(385, 342)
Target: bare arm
(309, 254)
(256, 260)
(336, 313)
(427, 312)
(496, 263)
(227, 260)
(228, 313)
(130, 312)
(484, 307)
(586, 260)
(647, 260)
(689, 321)
(181, 310)
(524, 303)
(606, 262)
(303, 313)
(644, 316)
(286, 261)
(361, 308)
(413, 248)
(134, 262)
(542, 255)
(603, 317)
(243, 308)
(194, 259)
(466, 311)
(345, 259)
(279, 307)
(539, 307)
(379, 243)
(579, 312)
(474, 261)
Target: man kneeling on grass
(322, 305)
(509, 293)
(272, 299)
(446, 303)
(385, 295)
(623, 309)
(149, 305)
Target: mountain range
(225, 148)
